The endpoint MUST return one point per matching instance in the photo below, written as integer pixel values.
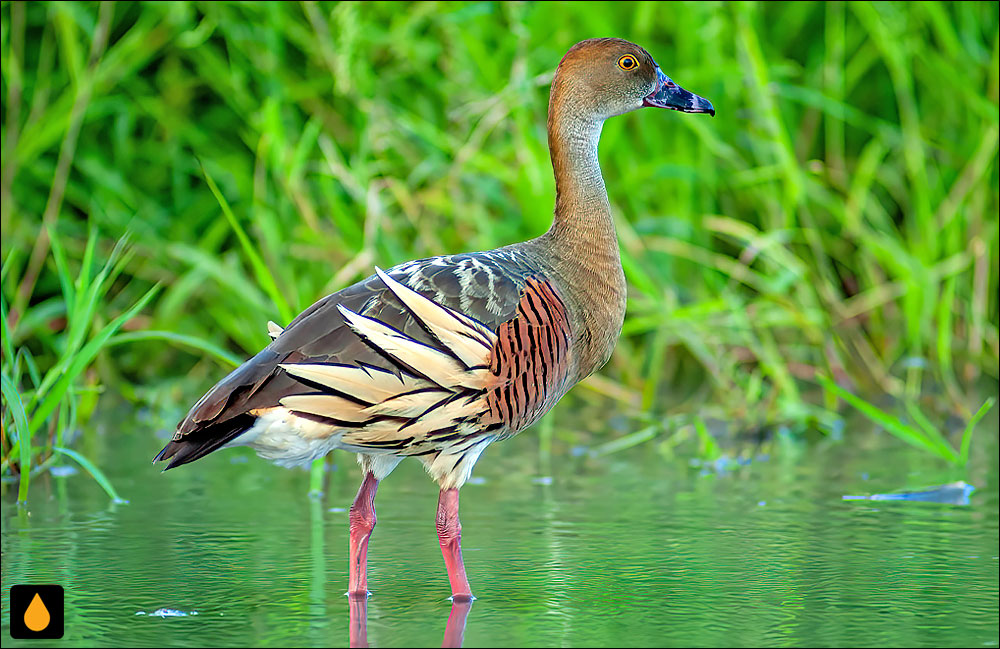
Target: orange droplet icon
(36, 617)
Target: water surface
(632, 549)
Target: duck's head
(611, 76)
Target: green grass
(47, 404)
(837, 218)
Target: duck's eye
(628, 62)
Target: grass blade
(179, 339)
(969, 427)
(23, 436)
(930, 431)
(62, 267)
(909, 434)
(83, 359)
(628, 441)
(7, 344)
(261, 270)
(709, 447)
(92, 469)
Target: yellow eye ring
(628, 63)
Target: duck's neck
(582, 243)
(582, 224)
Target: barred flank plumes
(530, 359)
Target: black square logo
(36, 612)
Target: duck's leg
(362, 518)
(449, 530)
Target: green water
(630, 549)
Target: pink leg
(450, 536)
(362, 519)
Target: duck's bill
(669, 95)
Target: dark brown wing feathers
(485, 286)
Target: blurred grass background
(175, 174)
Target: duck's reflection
(359, 620)
(454, 629)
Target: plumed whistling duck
(438, 358)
